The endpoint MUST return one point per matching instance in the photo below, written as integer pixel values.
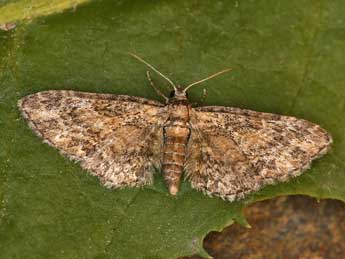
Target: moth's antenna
(154, 69)
(154, 87)
(207, 78)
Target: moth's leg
(202, 99)
(204, 95)
(155, 88)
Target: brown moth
(224, 151)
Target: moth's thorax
(178, 106)
(179, 112)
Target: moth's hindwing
(234, 152)
(117, 138)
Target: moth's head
(178, 95)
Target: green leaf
(12, 11)
(287, 57)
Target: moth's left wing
(117, 138)
(233, 152)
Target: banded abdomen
(176, 135)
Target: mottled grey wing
(233, 152)
(117, 138)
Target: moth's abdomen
(176, 135)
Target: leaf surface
(287, 58)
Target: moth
(223, 151)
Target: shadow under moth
(223, 151)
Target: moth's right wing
(234, 152)
(117, 138)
